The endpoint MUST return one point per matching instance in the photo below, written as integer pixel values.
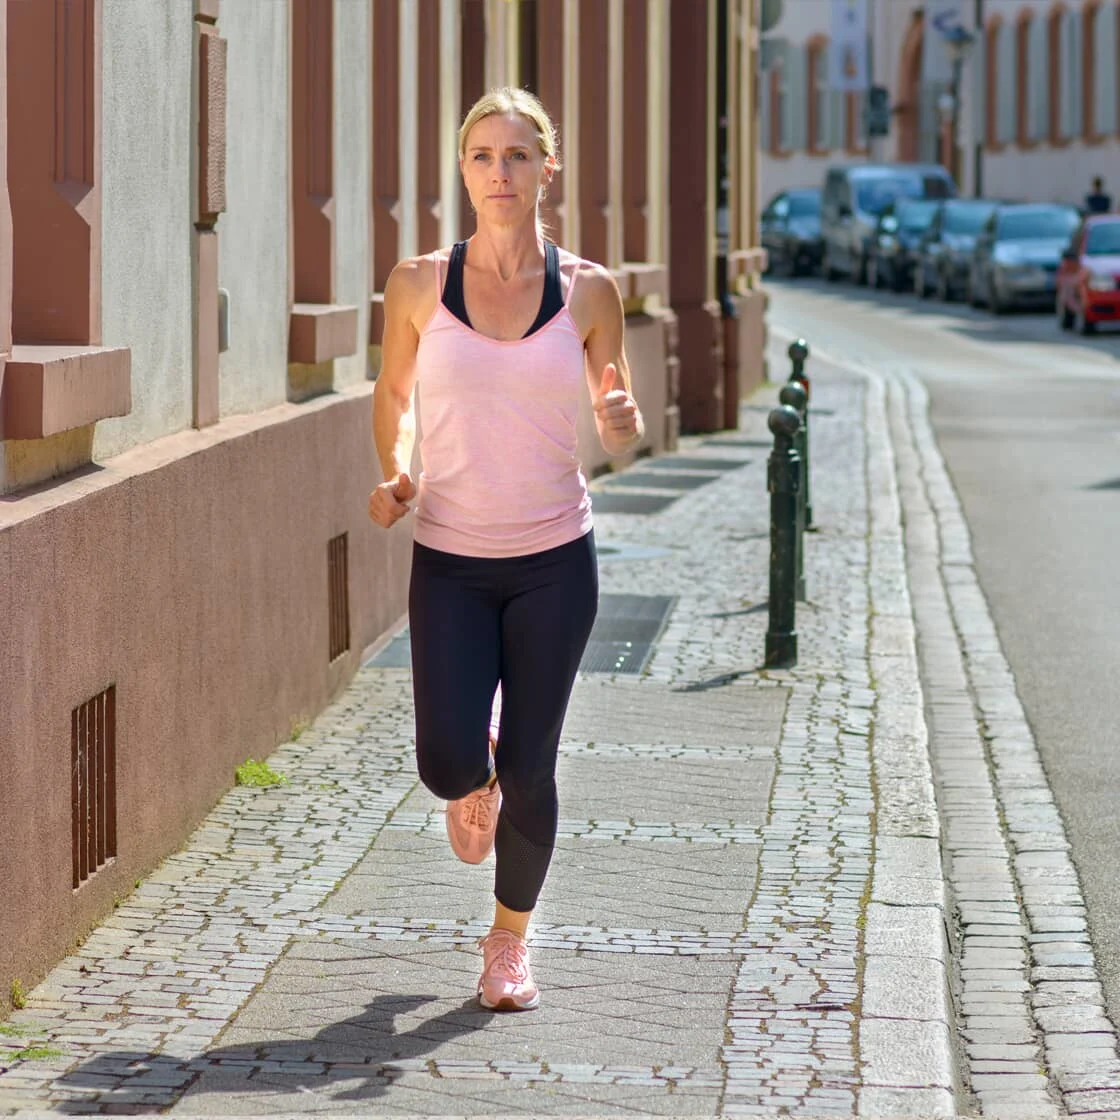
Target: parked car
(791, 231)
(944, 255)
(1015, 262)
(1089, 276)
(891, 255)
(854, 197)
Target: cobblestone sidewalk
(746, 914)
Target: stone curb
(907, 1061)
(1031, 1012)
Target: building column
(429, 142)
(210, 202)
(5, 210)
(472, 85)
(594, 141)
(692, 215)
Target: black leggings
(523, 621)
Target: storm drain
(604, 501)
(622, 640)
(735, 441)
(659, 480)
(625, 632)
(692, 463)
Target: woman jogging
(501, 334)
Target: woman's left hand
(616, 411)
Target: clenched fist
(389, 502)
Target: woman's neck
(507, 250)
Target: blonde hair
(509, 99)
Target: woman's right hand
(389, 502)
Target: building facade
(1037, 105)
(200, 204)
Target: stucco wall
(253, 232)
(1044, 174)
(146, 213)
(352, 168)
(190, 573)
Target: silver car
(1015, 262)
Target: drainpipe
(723, 217)
(978, 146)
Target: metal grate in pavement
(734, 441)
(659, 480)
(622, 640)
(605, 502)
(693, 463)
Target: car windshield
(874, 195)
(916, 216)
(1103, 240)
(804, 204)
(965, 217)
(1026, 225)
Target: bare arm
(394, 415)
(617, 416)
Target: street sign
(769, 13)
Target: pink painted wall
(192, 574)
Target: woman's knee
(448, 774)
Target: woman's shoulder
(416, 275)
(595, 280)
(413, 285)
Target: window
(817, 96)
(1022, 74)
(777, 98)
(993, 38)
(855, 123)
(1038, 106)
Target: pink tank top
(499, 472)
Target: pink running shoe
(506, 983)
(473, 820)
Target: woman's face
(503, 168)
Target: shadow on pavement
(364, 1051)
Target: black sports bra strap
(552, 298)
(453, 298)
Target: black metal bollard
(783, 477)
(798, 351)
(798, 354)
(793, 396)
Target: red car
(1088, 288)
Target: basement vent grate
(93, 784)
(693, 463)
(338, 595)
(622, 640)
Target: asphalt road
(1028, 421)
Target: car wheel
(1065, 316)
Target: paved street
(1028, 420)
(839, 890)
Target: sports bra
(552, 298)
